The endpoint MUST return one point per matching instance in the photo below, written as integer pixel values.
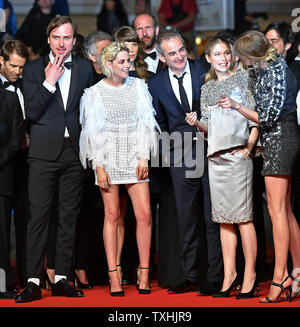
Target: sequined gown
(118, 128)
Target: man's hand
(54, 71)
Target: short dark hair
(11, 46)
(59, 21)
(166, 36)
(284, 30)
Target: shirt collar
(3, 79)
(52, 58)
(186, 70)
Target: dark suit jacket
(46, 111)
(295, 67)
(170, 113)
(11, 130)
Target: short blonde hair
(109, 53)
(255, 45)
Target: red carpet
(99, 297)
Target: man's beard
(151, 44)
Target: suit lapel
(170, 91)
(195, 87)
(73, 82)
(57, 96)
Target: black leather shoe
(30, 293)
(184, 287)
(209, 288)
(8, 295)
(63, 288)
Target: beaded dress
(230, 175)
(118, 128)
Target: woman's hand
(244, 151)
(191, 118)
(103, 179)
(142, 169)
(226, 102)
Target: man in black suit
(11, 129)
(14, 55)
(175, 92)
(53, 86)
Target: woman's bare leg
(249, 244)
(277, 189)
(140, 198)
(110, 232)
(229, 243)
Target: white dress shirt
(18, 91)
(152, 64)
(64, 85)
(187, 84)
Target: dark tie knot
(152, 55)
(16, 84)
(68, 64)
(180, 79)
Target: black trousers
(49, 181)
(190, 193)
(21, 210)
(5, 222)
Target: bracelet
(247, 151)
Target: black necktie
(183, 96)
(152, 55)
(68, 64)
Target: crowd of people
(124, 156)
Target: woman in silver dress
(231, 139)
(118, 134)
(275, 111)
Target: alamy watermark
(296, 22)
(172, 149)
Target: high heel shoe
(141, 290)
(79, 284)
(254, 292)
(287, 290)
(227, 292)
(116, 293)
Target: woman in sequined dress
(231, 139)
(118, 133)
(275, 112)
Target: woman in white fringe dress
(118, 135)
